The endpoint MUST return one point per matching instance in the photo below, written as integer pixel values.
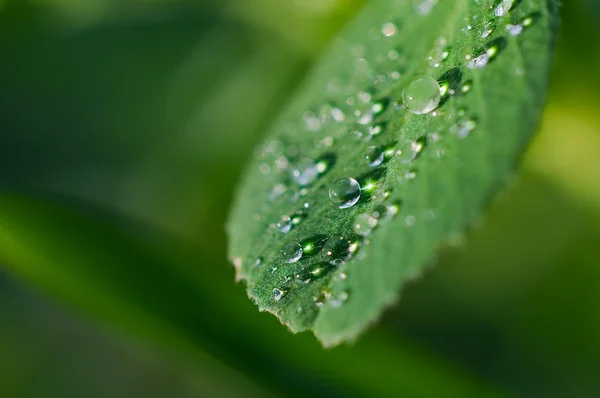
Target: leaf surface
(439, 170)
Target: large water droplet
(344, 192)
(291, 252)
(374, 156)
(421, 94)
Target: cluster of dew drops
(421, 95)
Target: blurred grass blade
(177, 296)
(472, 76)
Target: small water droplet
(277, 294)
(487, 28)
(313, 245)
(339, 250)
(382, 213)
(258, 262)
(485, 55)
(424, 7)
(291, 252)
(374, 156)
(503, 7)
(305, 172)
(421, 94)
(407, 151)
(285, 224)
(364, 224)
(463, 128)
(389, 29)
(514, 30)
(344, 192)
(410, 220)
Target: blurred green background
(124, 126)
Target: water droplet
(291, 252)
(344, 192)
(514, 30)
(485, 55)
(277, 294)
(285, 224)
(487, 28)
(375, 130)
(421, 94)
(258, 262)
(313, 245)
(503, 7)
(374, 156)
(305, 172)
(389, 29)
(339, 250)
(424, 7)
(312, 122)
(364, 224)
(463, 128)
(407, 151)
(382, 213)
(410, 220)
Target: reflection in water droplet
(421, 94)
(364, 224)
(374, 156)
(344, 192)
(277, 294)
(291, 252)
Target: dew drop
(258, 262)
(364, 224)
(291, 252)
(407, 151)
(485, 56)
(305, 172)
(514, 30)
(277, 294)
(339, 250)
(285, 224)
(503, 7)
(424, 7)
(382, 213)
(389, 29)
(463, 128)
(421, 94)
(487, 28)
(374, 156)
(344, 192)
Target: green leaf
(439, 171)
